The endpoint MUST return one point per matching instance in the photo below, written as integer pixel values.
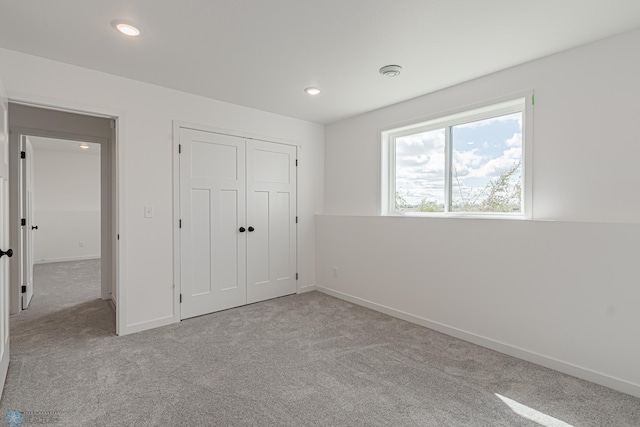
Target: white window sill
(458, 215)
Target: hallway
(66, 303)
(66, 315)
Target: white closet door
(212, 210)
(271, 220)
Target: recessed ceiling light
(126, 28)
(84, 146)
(312, 91)
(390, 70)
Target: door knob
(251, 229)
(34, 227)
(241, 229)
(8, 253)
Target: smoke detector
(390, 70)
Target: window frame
(522, 102)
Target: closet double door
(237, 221)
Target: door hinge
(180, 298)
(24, 289)
(296, 162)
(296, 276)
(118, 237)
(112, 124)
(296, 220)
(179, 223)
(23, 222)
(23, 155)
(179, 148)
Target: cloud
(420, 169)
(419, 156)
(515, 140)
(465, 161)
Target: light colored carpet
(304, 360)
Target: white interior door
(27, 229)
(212, 214)
(4, 241)
(271, 220)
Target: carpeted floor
(304, 360)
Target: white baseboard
(304, 289)
(144, 326)
(520, 353)
(66, 259)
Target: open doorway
(61, 202)
(63, 210)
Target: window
(469, 163)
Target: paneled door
(212, 214)
(26, 195)
(237, 219)
(271, 220)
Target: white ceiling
(262, 54)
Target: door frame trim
(5, 281)
(118, 188)
(177, 125)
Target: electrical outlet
(148, 211)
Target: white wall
(146, 113)
(564, 294)
(66, 205)
(586, 131)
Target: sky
(481, 151)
